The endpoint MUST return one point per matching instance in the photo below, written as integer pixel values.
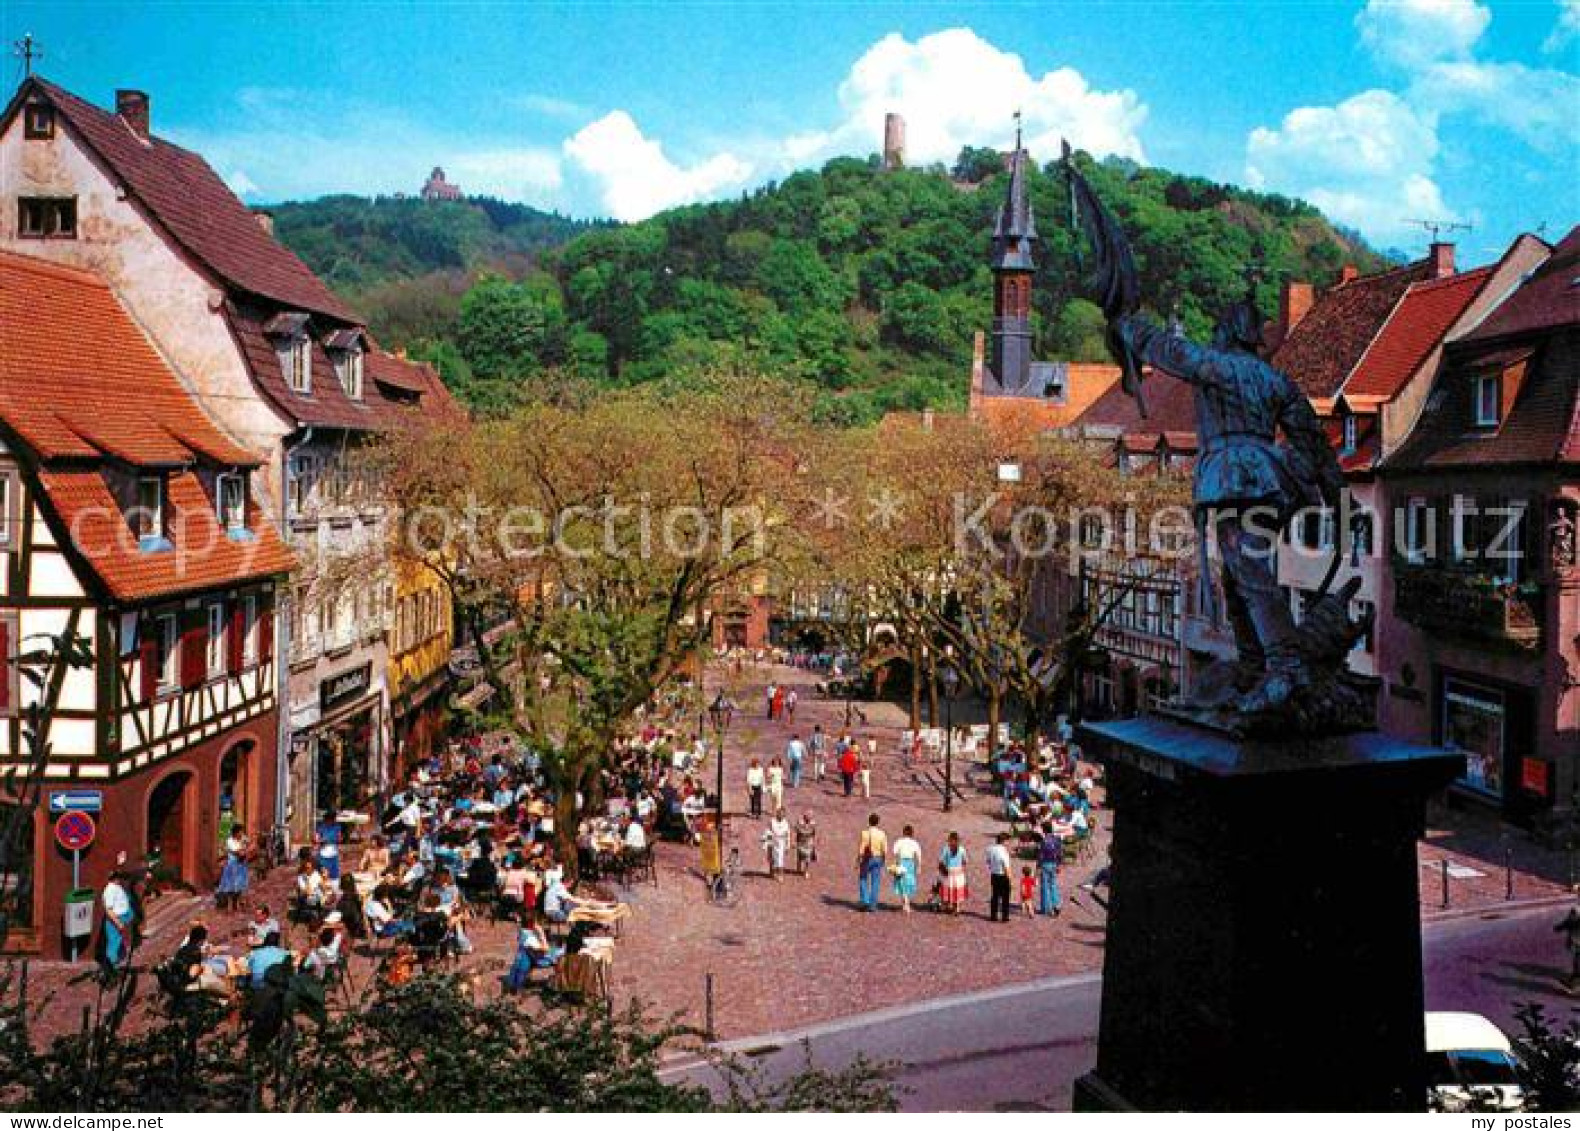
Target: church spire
(1015, 232)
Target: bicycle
(725, 888)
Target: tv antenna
(27, 50)
(1439, 227)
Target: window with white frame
(1416, 529)
(232, 492)
(301, 483)
(349, 367)
(148, 516)
(10, 501)
(167, 651)
(249, 631)
(216, 639)
(1489, 399)
(299, 364)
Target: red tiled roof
(1427, 311)
(1170, 408)
(392, 394)
(1325, 345)
(188, 199)
(1549, 298)
(201, 556)
(79, 379)
(1542, 426)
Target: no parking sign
(74, 831)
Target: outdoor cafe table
(586, 973)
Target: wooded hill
(866, 283)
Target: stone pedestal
(1264, 934)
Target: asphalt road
(1020, 1048)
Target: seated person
(264, 958)
(193, 969)
(309, 887)
(375, 857)
(348, 908)
(533, 952)
(262, 926)
(482, 876)
(326, 955)
(431, 928)
(379, 911)
(634, 836)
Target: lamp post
(951, 679)
(720, 712)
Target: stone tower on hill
(437, 188)
(893, 141)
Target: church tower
(1013, 262)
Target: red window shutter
(236, 643)
(5, 668)
(194, 658)
(265, 630)
(148, 659)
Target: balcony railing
(1462, 604)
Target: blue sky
(1377, 111)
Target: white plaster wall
(172, 299)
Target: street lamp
(720, 712)
(951, 679)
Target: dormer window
(38, 121)
(148, 516)
(1489, 399)
(349, 366)
(299, 364)
(231, 503)
(1351, 433)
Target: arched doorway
(169, 815)
(235, 790)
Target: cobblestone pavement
(797, 952)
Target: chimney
(1348, 273)
(265, 221)
(132, 106)
(1294, 302)
(1442, 256)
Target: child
(1028, 892)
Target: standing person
(771, 693)
(805, 844)
(907, 867)
(849, 763)
(953, 890)
(779, 704)
(1050, 854)
(795, 754)
(870, 856)
(776, 784)
(792, 697)
(1569, 927)
(776, 843)
(819, 753)
(755, 779)
(1028, 892)
(999, 866)
(326, 842)
(118, 925)
(866, 767)
(234, 877)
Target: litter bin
(79, 917)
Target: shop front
(337, 750)
(1489, 724)
(420, 720)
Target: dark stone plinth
(1264, 932)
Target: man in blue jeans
(870, 858)
(1050, 854)
(795, 752)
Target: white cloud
(955, 88)
(1538, 105)
(634, 178)
(1414, 33)
(240, 183)
(1567, 30)
(548, 106)
(511, 174)
(1367, 162)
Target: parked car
(1470, 1065)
